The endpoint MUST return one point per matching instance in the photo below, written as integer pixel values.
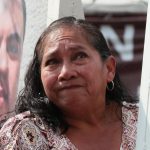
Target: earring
(110, 86)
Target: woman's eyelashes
(76, 57)
(52, 62)
(79, 56)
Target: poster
(125, 34)
(12, 29)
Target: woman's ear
(111, 68)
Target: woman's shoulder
(14, 122)
(15, 119)
(23, 130)
(129, 118)
(130, 111)
(133, 108)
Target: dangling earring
(110, 86)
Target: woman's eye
(80, 55)
(52, 62)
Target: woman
(73, 98)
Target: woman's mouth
(68, 87)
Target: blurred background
(123, 25)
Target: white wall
(36, 18)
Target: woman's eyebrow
(76, 46)
(72, 47)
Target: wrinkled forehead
(14, 9)
(66, 32)
(61, 33)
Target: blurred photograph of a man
(12, 28)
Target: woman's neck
(93, 118)
(104, 130)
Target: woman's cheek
(49, 81)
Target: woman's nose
(67, 72)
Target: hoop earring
(110, 86)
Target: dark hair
(33, 97)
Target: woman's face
(72, 71)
